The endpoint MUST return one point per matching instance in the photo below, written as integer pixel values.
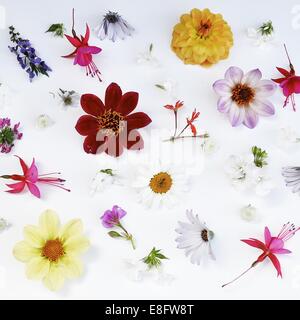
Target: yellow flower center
(204, 28)
(242, 95)
(111, 121)
(53, 250)
(161, 183)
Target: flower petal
(24, 252)
(252, 77)
(87, 125)
(86, 38)
(16, 187)
(37, 268)
(49, 224)
(276, 244)
(91, 145)
(134, 141)
(91, 104)
(33, 189)
(263, 108)
(265, 88)
(251, 118)
(55, 278)
(137, 120)
(276, 264)
(32, 173)
(255, 243)
(75, 42)
(114, 147)
(236, 115)
(281, 251)
(76, 245)
(224, 104)
(34, 236)
(268, 236)
(128, 103)
(113, 96)
(222, 88)
(234, 75)
(72, 228)
(23, 165)
(73, 267)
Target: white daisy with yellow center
(52, 252)
(160, 185)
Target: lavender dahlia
(243, 97)
(8, 134)
(26, 56)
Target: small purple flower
(243, 97)
(8, 135)
(112, 217)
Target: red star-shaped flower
(111, 126)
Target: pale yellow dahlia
(202, 37)
(52, 252)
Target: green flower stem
(127, 236)
(201, 136)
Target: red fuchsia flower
(111, 126)
(271, 247)
(83, 53)
(30, 178)
(194, 117)
(290, 83)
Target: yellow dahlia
(51, 252)
(202, 37)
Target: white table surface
(60, 148)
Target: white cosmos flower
(292, 178)
(160, 185)
(195, 238)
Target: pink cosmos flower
(30, 178)
(271, 247)
(243, 97)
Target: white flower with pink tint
(244, 97)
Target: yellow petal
(71, 229)
(34, 236)
(76, 245)
(49, 224)
(24, 252)
(37, 268)
(72, 265)
(55, 278)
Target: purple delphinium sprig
(111, 218)
(8, 134)
(26, 56)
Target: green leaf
(57, 29)
(107, 171)
(260, 157)
(154, 258)
(114, 234)
(160, 86)
(151, 47)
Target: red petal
(91, 104)
(169, 107)
(134, 141)
(113, 147)
(87, 35)
(280, 80)
(128, 103)
(87, 125)
(71, 55)
(75, 42)
(137, 120)
(91, 145)
(284, 72)
(113, 96)
(276, 264)
(255, 243)
(16, 187)
(194, 130)
(23, 165)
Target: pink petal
(276, 264)
(263, 108)
(255, 243)
(276, 244)
(32, 174)
(251, 118)
(281, 251)
(83, 59)
(234, 75)
(34, 189)
(224, 104)
(291, 86)
(268, 236)
(87, 35)
(252, 77)
(90, 49)
(75, 42)
(236, 115)
(23, 165)
(17, 187)
(222, 88)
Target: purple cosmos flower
(111, 218)
(8, 135)
(244, 96)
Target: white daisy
(195, 238)
(160, 185)
(292, 178)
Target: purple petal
(108, 219)
(222, 88)
(118, 212)
(265, 88)
(236, 115)
(252, 77)
(234, 75)
(251, 118)
(263, 108)
(224, 104)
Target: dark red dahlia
(111, 126)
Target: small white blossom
(169, 86)
(249, 213)
(262, 35)
(288, 138)
(209, 146)
(3, 224)
(103, 179)
(147, 59)
(44, 121)
(263, 184)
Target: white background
(60, 148)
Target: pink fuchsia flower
(30, 178)
(8, 134)
(243, 97)
(271, 247)
(83, 53)
(111, 218)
